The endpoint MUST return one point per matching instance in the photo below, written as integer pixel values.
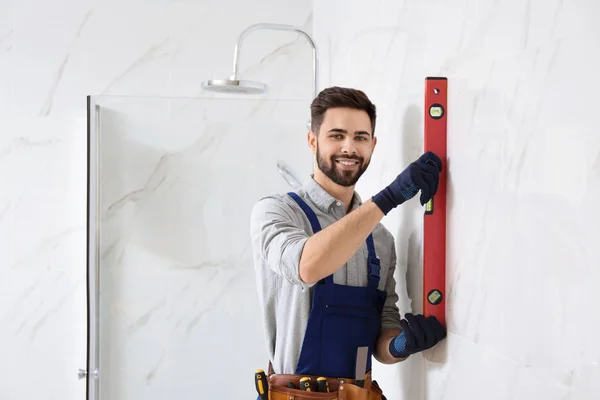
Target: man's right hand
(422, 174)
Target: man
(324, 263)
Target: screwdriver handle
(322, 385)
(262, 386)
(305, 384)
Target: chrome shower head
(234, 86)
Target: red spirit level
(434, 230)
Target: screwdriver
(322, 385)
(262, 386)
(305, 384)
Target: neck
(342, 193)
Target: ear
(312, 141)
(374, 143)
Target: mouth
(347, 163)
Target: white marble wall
(52, 55)
(524, 182)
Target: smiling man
(325, 264)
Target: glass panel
(176, 179)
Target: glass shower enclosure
(172, 305)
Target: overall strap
(374, 266)
(310, 214)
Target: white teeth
(349, 163)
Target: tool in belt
(312, 387)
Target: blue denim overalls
(342, 318)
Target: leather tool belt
(339, 388)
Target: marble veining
(175, 255)
(42, 226)
(154, 52)
(21, 143)
(521, 254)
(47, 107)
(177, 279)
(163, 295)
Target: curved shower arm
(276, 27)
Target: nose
(348, 146)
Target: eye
(336, 136)
(361, 138)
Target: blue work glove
(418, 334)
(423, 174)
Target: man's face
(344, 145)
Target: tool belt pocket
(339, 389)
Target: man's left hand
(418, 333)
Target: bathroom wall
(52, 55)
(524, 181)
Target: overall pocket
(344, 329)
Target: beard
(337, 175)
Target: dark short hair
(336, 96)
